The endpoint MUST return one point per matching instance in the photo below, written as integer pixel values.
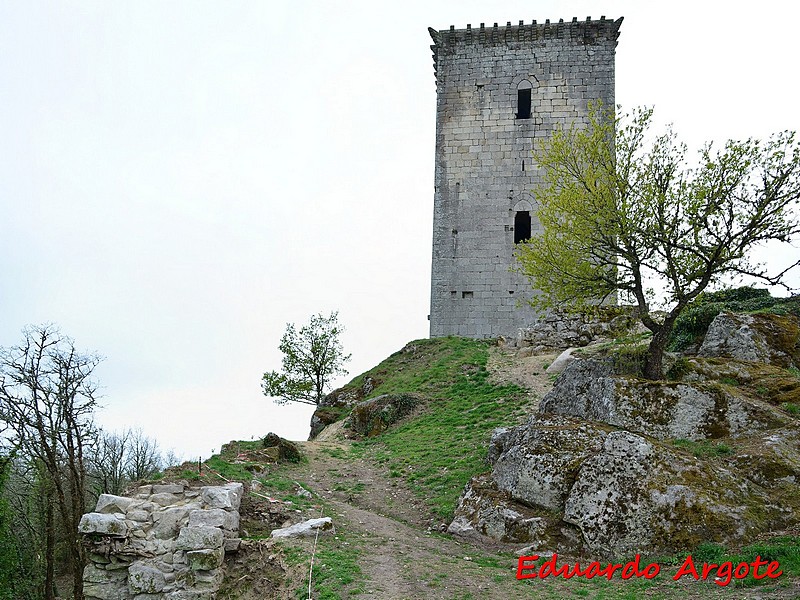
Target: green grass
(703, 448)
(791, 408)
(442, 447)
(335, 570)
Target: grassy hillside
(439, 448)
(376, 488)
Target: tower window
(522, 226)
(524, 99)
(524, 104)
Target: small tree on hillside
(617, 210)
(312, 357)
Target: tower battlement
(499, 90)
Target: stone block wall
(485, 170)
(165, 542)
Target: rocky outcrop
(284, 450)
(598, 469)
(661, 409)
(371, 417)
(337, 404)
(166, 542)
(767, 338)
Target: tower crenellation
(499, 89)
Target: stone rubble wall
(165, 542)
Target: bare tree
(120, 458)
(108, 462)
(47, 400)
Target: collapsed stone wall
(165, 542)
(561, 330)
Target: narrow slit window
(522, 226)
(524, 103)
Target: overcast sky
(181, 179)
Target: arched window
(524, 99)
(522, 226)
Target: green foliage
(311, 358)
(616, 210)
(693, 323)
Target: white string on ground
(313, 554)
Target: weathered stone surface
(287, 451)
(767, 338)
(199, 538)
(310, 527)
(228, 496)
(205, 560)
(93, 574)
(214, 517)
(371, 417)
(138, 515)
(561, 362)
(661, 409)
(486, 511)
(103, 524)
(232, 544)
(635, 496)
(168, 488)
(144, 578)
(771, 459)
(169, 521)
(165, 498)
(105, 591)
(537, 463)
(109, 504)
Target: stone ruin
(165, 542)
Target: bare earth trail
(403, 554)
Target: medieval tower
(498, 90)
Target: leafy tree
(312, 357)
(47, 401)
(618, 210)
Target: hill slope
(390, 495)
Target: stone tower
(498, 90)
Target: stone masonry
(499, 90)
(167, 542)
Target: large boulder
(563, 482)
(284, 449)
(371, 417)
(768, 338)
(637, 495)
(537, 463)
(661, 409)
(338, 403)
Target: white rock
(305, 528)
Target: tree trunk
(50, 550)
(654, 364)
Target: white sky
(181, 179)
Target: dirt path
(404, 555)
